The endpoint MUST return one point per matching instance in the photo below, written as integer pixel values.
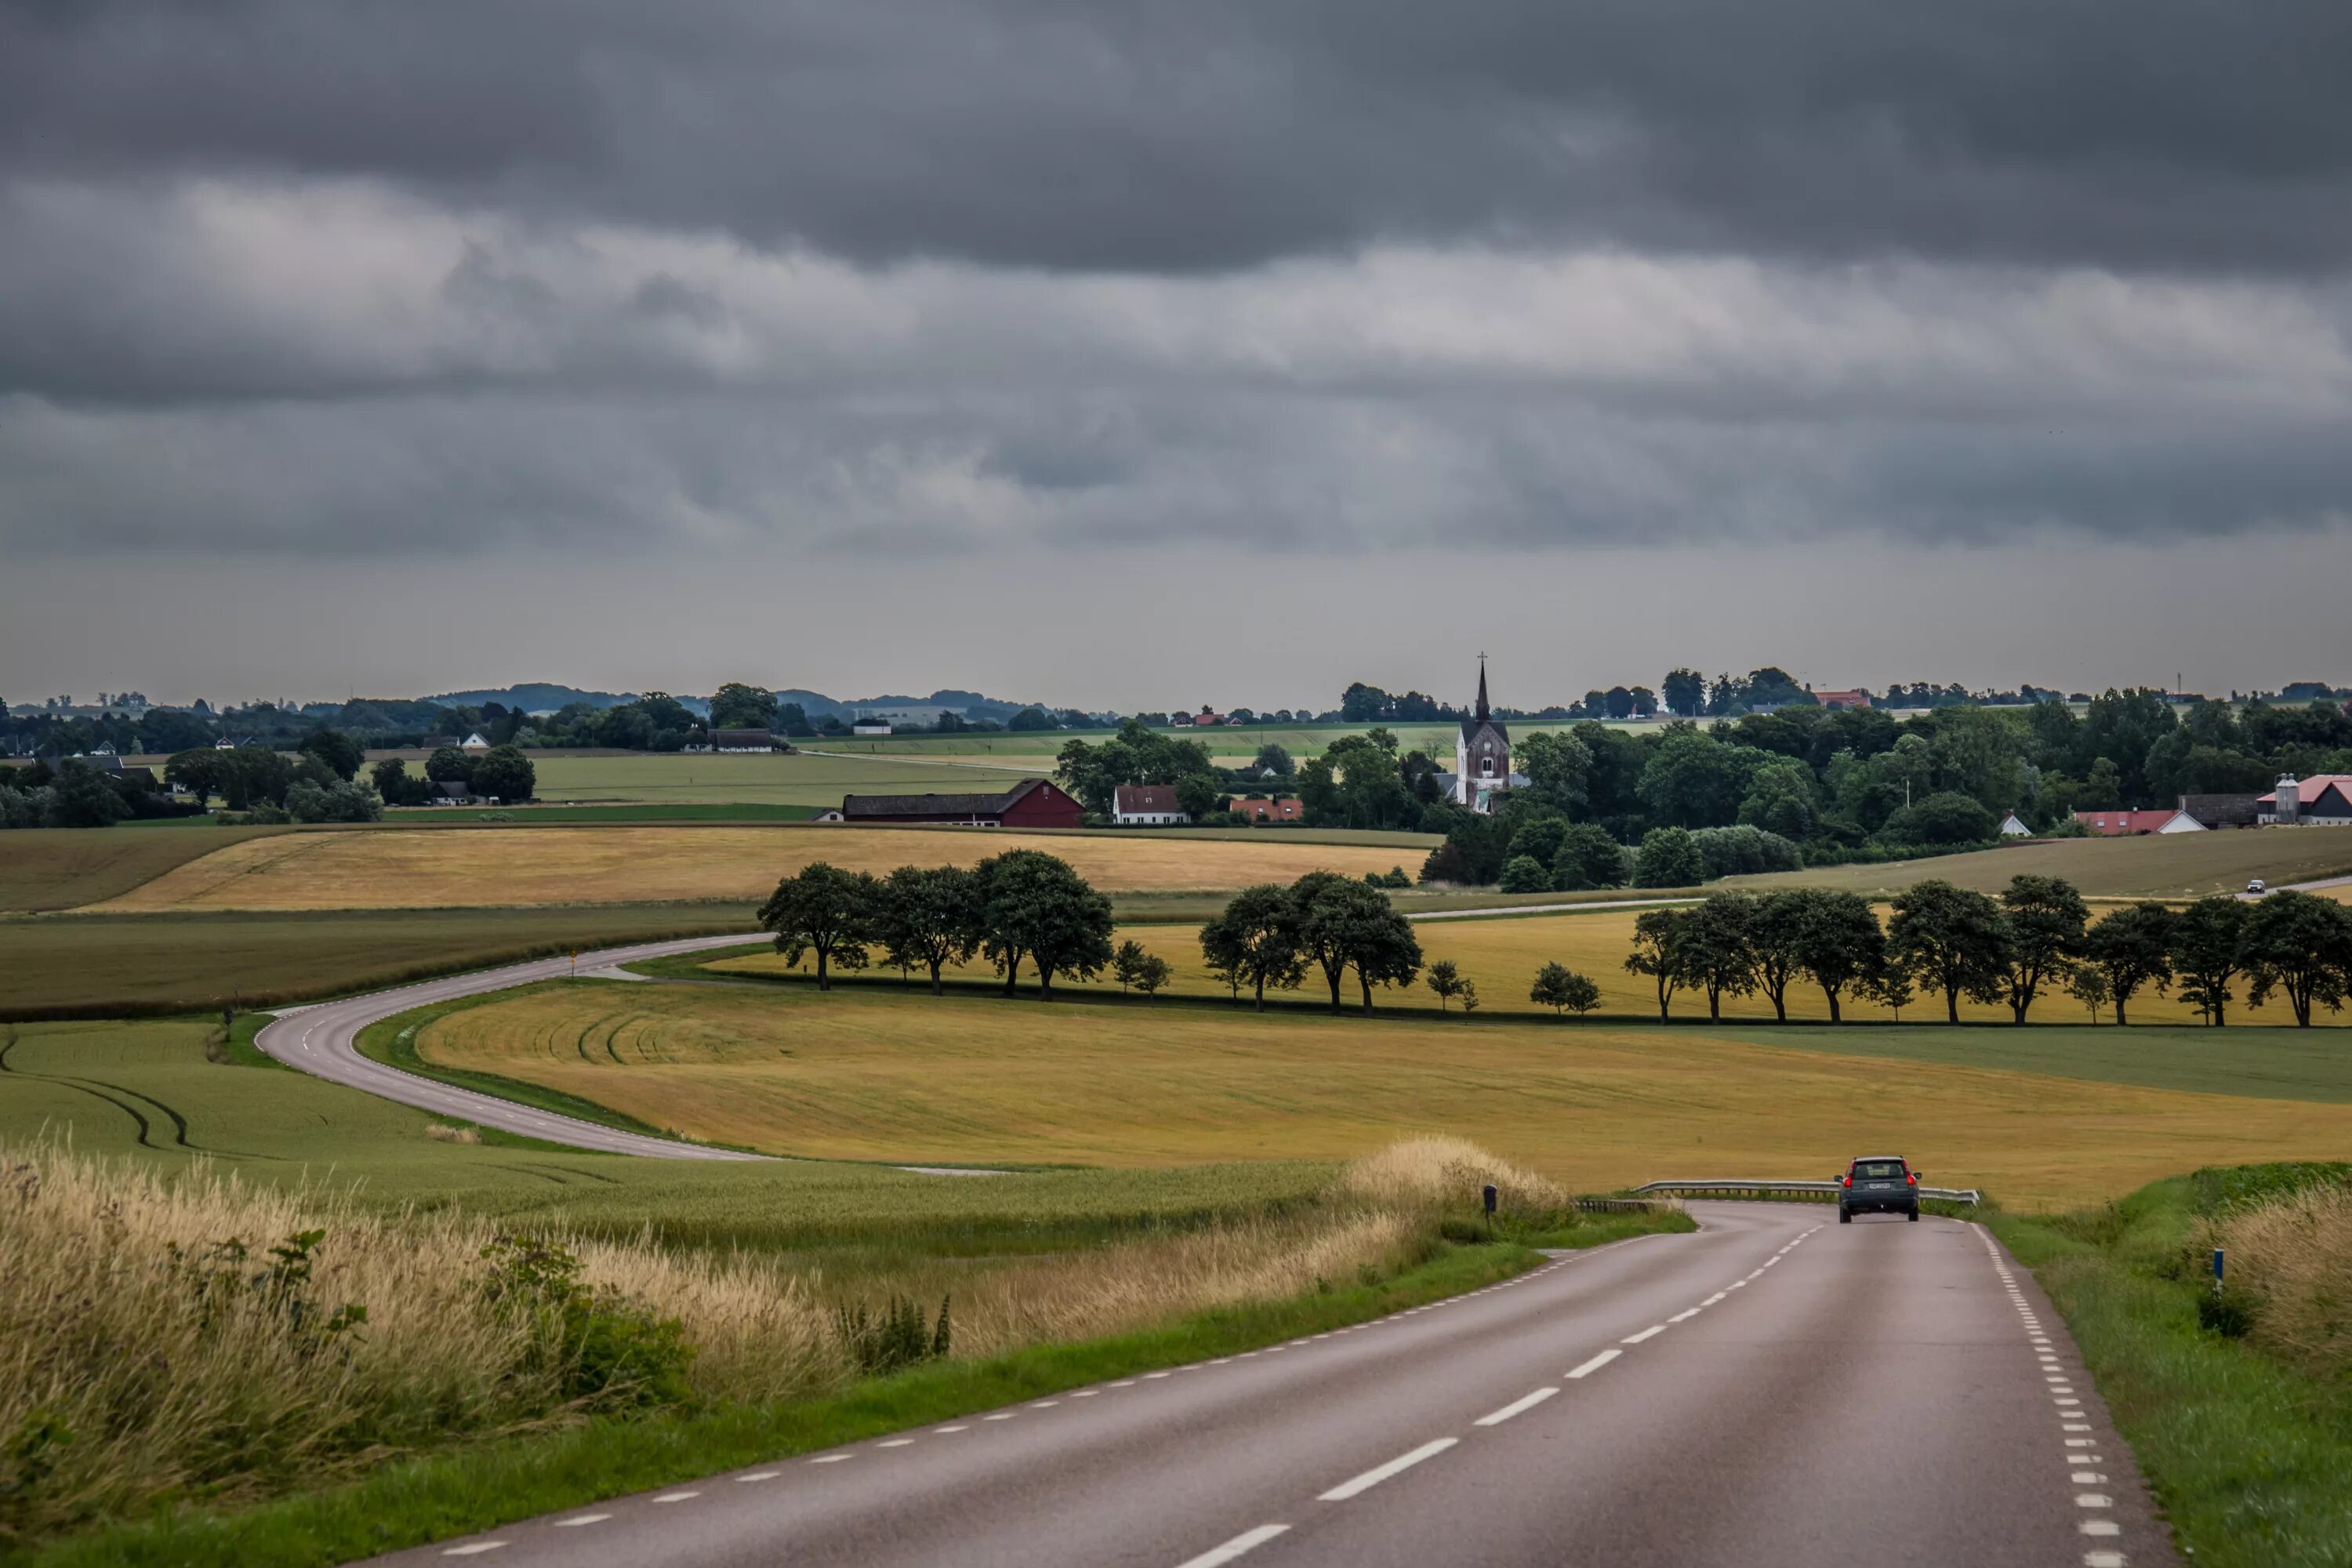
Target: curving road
(324, 1041)
(1769, 1391)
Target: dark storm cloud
(2157, 134)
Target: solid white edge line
(1516, 1407)
(1596, 1363)
(1380, 1473)
(1248, 1539)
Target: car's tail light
(1912, 1177)
(1849, 1179)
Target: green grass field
(115, 965)
(65, 867)
(760, 778)
(147, 1090)
(2153, 865)
(1229, 746)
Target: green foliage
(1342, 925)
(1564, 990)
(1669, 858)
(1033, 905)
(928, 917)
(605, 1350)
(308, 802)
(1743, 851)
(893, 1337)
(1525, 874)
(2044, 921)
(1692, 780)
(1446, 981)
(2300, 946)
(1947, 818)
(396, 785)
(825, 910)
(337, 751)
(1256, 940)
(2133, 948)
(505, 775)
(736, 706)
(1716, 948)
(1136, 755)
(1950, 938)
(1587, 857)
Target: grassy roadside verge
(411, 1502)
(2247, 1456)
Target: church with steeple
(1482, 758)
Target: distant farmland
(485, 866)
(2152, 865)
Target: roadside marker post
(1489, 1195)
(2217, 1271)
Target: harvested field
(65, 868)
(2153, 865)
(864, 1072)
(418, 869)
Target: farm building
(2012, 827)
(1286, 809)
(1032, 803)
(1855, 698)
(746, 740)
(2125, 824)
(2323, 800)
(474, 746)
(1147, 806)
(2223, 810)
(870, 727)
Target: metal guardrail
(1746, 1187)
(1614, 1205)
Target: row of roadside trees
(1021, 906)
(2037, 936)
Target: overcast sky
(1144, 355)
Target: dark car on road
(1878, 1183)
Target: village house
(746, 740)
(1286, 809)
(1147, 806)
(1836, 699)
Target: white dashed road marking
(1653, 1331)
(1595, 1365)
(1380, 1473)
(1515, 1407)
(1232, 1548)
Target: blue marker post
(2217, 1271)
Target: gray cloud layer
(421, 277)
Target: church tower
(1482, 756)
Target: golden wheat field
(876, 1073)
(1501, 956)
(446, 869)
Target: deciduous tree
(1445, 979)
(1564, 991)
(1344, 925)
(1033, 904)
(1256, 940)
(825, 911)
(2209, 950)
(1658, 953)
(1839, 943)
(2133, 947)
(1952, 939)
(2299, 945)
(2045, 918)
(1719, 948)
(928, 917)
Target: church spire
(1482, 689)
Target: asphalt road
(322, 1040)
(1773, 1390)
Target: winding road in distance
(324, 1040)
(1774, 1390)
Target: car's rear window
(1878, 1170)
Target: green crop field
(147, 1090)
(100, 965)
(2152, 865)
(759, 777)
(64, 867)
(881, 1072)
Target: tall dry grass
(2293, 1254)
(202, 1337)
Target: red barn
(1032, 803)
